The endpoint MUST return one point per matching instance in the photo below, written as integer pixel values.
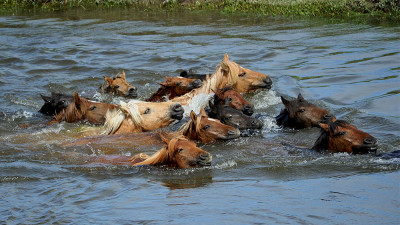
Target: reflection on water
(349, 69)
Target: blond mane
(227, 73)
(115, 117)
(162, 156)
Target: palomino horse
(82, 109)
(199, 128)
(177, 153)
(233, 117)
(236, 100)
(55, 103)
(173, 87)
(134, 117)
(339, 136)
(299, 114)
(119, 86)
(229, 74)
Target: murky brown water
(350, 69)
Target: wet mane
(322, 143)
(160, 94)
(71, 114)
(115, 117)
(163, 156)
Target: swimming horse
(119, 86)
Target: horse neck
(159, 158)
(159, 94)
(69, 115)
(190, 131)
(322, 143)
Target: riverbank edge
(388, 10)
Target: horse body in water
(199, 128)
(119, 86)
(177, 153)
(340, 136)
(229, 74)
(135, 117)
(173, 87)
(299, 114)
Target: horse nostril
(268, 81)
(369, 140)
(178, 108)
(327, 116)
(197, 83)
(203, 156)
(132, 90)
(247, 107)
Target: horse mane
(70, 114)
(159, 94)
(322, 143)
(161, 157)
(214, 82)
(191, 130)
(115, 117)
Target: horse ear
(284, 101)
(45, 98)
(203, 112)
(300, 97)
(107, 80)
(324, 126)
(77, 99)
(164, 139)
(193, 116)
(226, 58)
(123, 75)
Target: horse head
(119, 86)
(299, 113)
(236, 100)
(55, 103)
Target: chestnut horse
(119, 86)
(229, 74)
(177, 153)
(173, 87)
(340, 136)
(236, 100)
(299, 113)
(199, 128)
(139, 116)
(233, 117)
(55, 103)
(82, 109)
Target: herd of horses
(223, 116)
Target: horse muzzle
(132, 93)
(195, 84)
(204, 159)
(248, 110)
(369, 145)
(177, 112)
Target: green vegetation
(383, 9)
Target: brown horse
(199, 128)
(299, 114)
(173, 87)
(134, 117)
(339, 136)
(119, 86)
(177, 153)
(82, 109)
(229, 74)
(236, 100)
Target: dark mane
(160, 94)
(322, 143)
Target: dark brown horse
(233, 117)
(192, 75)
(177, 153)
(55, 103)
(236, 100)
(173, 87)
(340, 136)
(82, 109)
(199, 128)
(299, 114)
(119, 86)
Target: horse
(82, 109)
(139, 116)
(340, 136)
(55, 103)
(176, 153)
(173, 87)
(229, 73)
(299, 114)
(199, 128)
(119, 86)
(192, 75)
(236, 100)
(233, 117)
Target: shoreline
(382, 10)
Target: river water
(351, 69)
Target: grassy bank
(382, 9)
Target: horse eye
(302, 110)
(229, 99)
(116, 86)
(341, 133)
(147, 111)
(180, 150)
(179, 84)
(242, 74)
(228, 117)
(92, 108)
(113, 78)
(206, 127)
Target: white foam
(197, 102)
